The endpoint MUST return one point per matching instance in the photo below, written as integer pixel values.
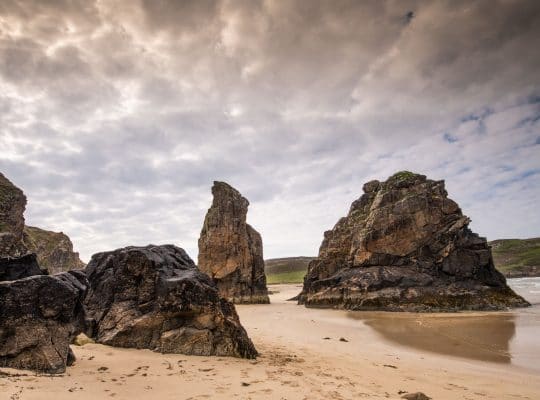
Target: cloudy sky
(116, 116)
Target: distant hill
(286, 270)
(513, 257)
(517, 257)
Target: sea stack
(54, 250)
(154, 297)
(230, 250)
(405, 246)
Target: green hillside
(513, 257)
(517, 257)
(286, 270)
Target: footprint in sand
(168, 364)
(458, 386)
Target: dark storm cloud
(117, 116)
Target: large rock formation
(12, 205)
(39, 317)
(230, 250)
(54, 249)
(405, 246)
(154, 297)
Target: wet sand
(509, 337)
(381, 355)
(477, 337)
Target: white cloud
(115, 120)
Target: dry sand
(302, 357)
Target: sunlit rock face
(156, 298)
(230, 250)
(405, 246)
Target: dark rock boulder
(405, 246)
(230, 250)
(12, 269)
(154, 297)
(39, 317)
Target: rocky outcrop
(405, 246)
(154, 297)
(12, 269)
(54, 249)
(39, 317)
(12, 206)
(230, 250)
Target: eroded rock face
(154, 297)
(54, 249)
(12, 206)
(39, 317)
(230, 250)
(405, 246)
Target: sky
(117, 116)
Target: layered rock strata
(405, 246)
(230, 250)
(40, 315)
(154, 297)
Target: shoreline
(297, 361)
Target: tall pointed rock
(230, 250)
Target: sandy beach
(316, 354)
